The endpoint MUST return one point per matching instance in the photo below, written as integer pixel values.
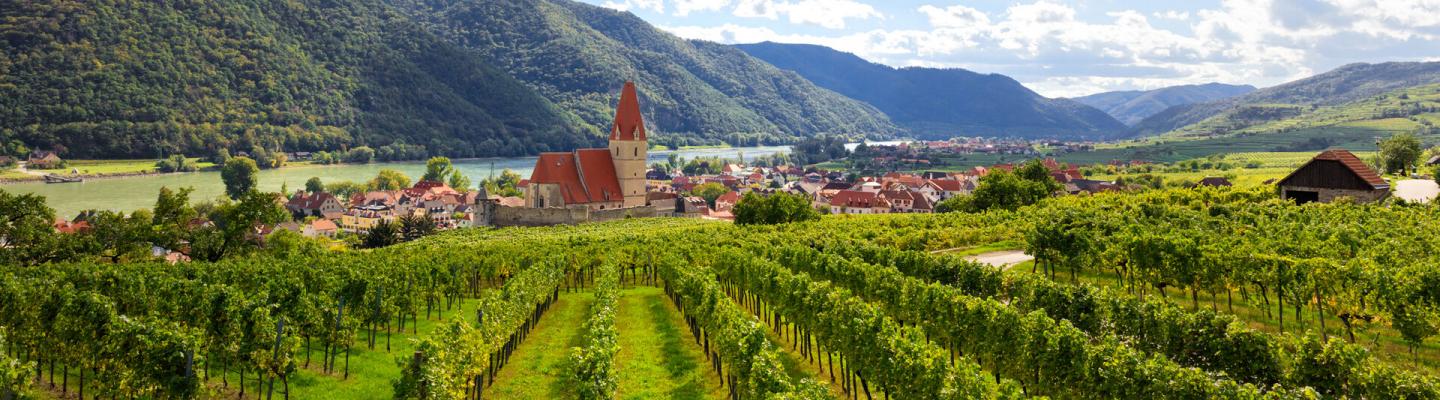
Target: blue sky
(1068, 48)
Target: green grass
(984, 248)
(16, 174)
(540, 366)
(658, 358)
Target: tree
(459, 181)
(239, 175)
(176, 163)
(1001, 189)
(235, 225)
(360, 155)
(710, 192)
(344, 189)
(437, 169)
(416, 226)
(389, 179)
(314, 185)
(170, 219)
(26, 234)
(777, 208)
(504, 185)
(118, 237)
(1400, 152)
(382, 234)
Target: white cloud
(1173, 15)
(627, 5)
(954, 16)
(1047, 45)
(830, 14)
(685, 7)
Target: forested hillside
(1343, 85)
(940, 103)
(140, 78)
(693, 91)
(1132, 106)
(118, 78)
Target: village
(592, 185)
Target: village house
(726, 202)
(858, 202)
(1331, 175)
(321, 204)
(320, 228)
(43, 159)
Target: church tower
(628, 147)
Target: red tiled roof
(856, 199)
(628, 123)
(584, 176)
(898, 195)
(729, 197)
(311, 202)
(948, 185)
(1352, 162)
(323, 225)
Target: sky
(1063, 48)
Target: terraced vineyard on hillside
(1163, 294)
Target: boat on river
(52, 178)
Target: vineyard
(1163, 294)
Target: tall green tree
(26, 234)
(710, 191)
(1400, 153)
(235, 226)
(240, 176)
(389, 179)
(313, 185)
(437, 169)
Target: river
(133, 193)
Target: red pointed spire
(628, 123)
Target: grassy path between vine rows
(658, 358)
(537, 369)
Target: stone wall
(1328, 195)
(496, 215)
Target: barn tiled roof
(1354, 164)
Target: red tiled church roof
(584, 176)
(628, 123)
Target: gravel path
(1003, 259)
(1416, 190)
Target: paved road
(1416, 190)
(1003, 259)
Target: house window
(637, 152)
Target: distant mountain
(1343, 85)
(1132, 106)
(940, 102)
(692, 92)
(139, 79)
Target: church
(597, 179)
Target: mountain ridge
(1348, 83)
(1133, 106)
(940, 103)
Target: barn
(1331, 175)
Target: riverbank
(136, 191)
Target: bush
(778, 208)
(176, 163)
